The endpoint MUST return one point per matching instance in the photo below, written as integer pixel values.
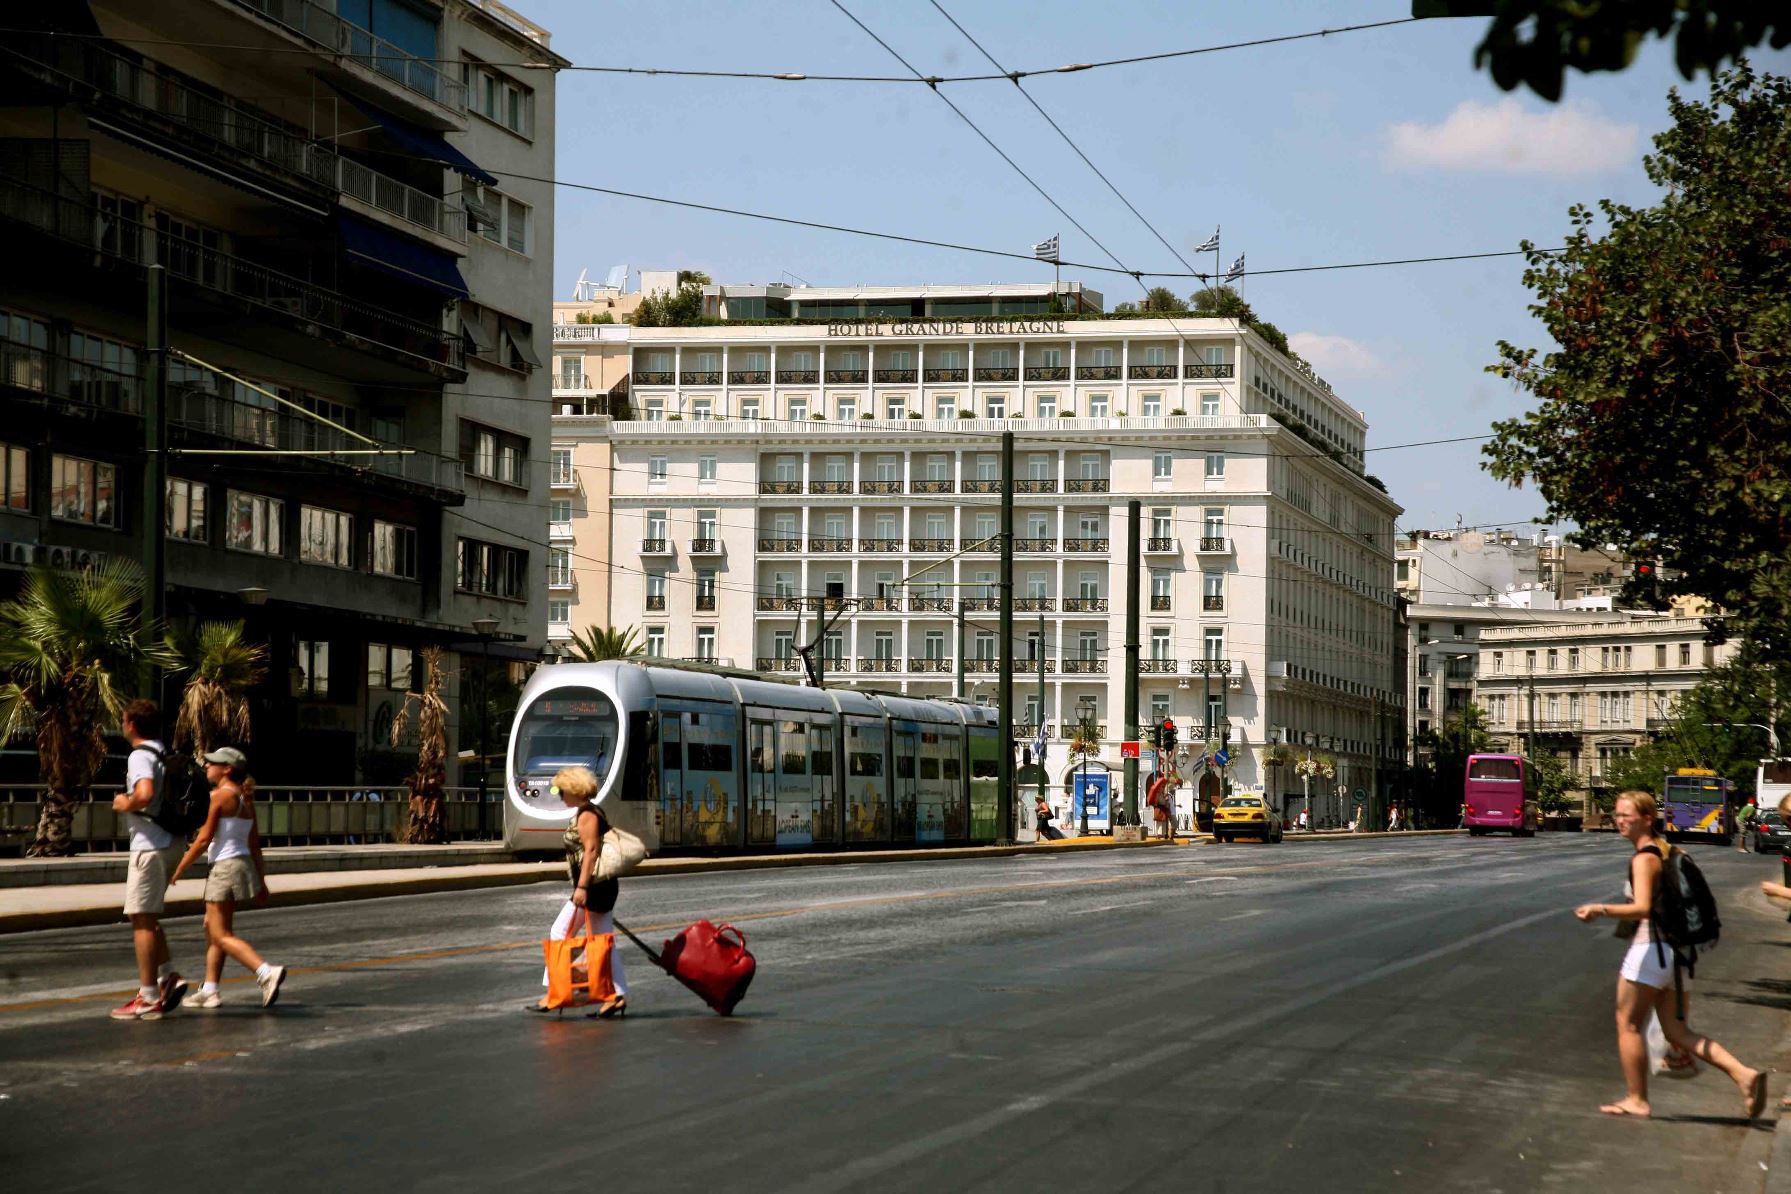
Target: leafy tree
(594, 644)
(1220, 302)
(221, 669)
(1451, 743)
(693, 277)
(681, 309)
(1662, 417)
(66, 641)
(1533, 42)
(1163, 301)
(1553, 782)
(1126, 309)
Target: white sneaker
(270, 984)
(205, 999)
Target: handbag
(621, 852)
(562, 978)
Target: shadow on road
(1774, 993)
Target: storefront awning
(373, 246)
(422, 142)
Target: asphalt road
(1419, 1014)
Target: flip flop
(1756, 1096)
(1616, 1110)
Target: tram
(700, 759)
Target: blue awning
(424, 143)
(399, 255)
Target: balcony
(1084, 605)
(1031, 667)
(1035, 545)
(982, 666)
(705, 603)
(932, 485)
(976, 605)
(777, 543)
(797, 377)
(878, 544)
(780, 487)
(749, 377)
(1215, 545)
(655, 603)
(559, 580)
(1085, 545)
(562, 477)
(930, 665)
(930, 544)
(894, 376)
(700, 377)
(1159, 667)
(1047, 373)
(654, 377)
(982, 485)
(1034, 605)
(656, 547)
(879, 487)
(1097, 372)
(1212, 602)
(847, 377)
(829, 544)
(1087, 485)
(1029, 731)
(1159, 603)
(929, 605)
(1084, 667)
(336, 36)
(945, 376)
(1151, 372)
(1205, 372)
(1557, 725)
(880, 605)
(830, 487)
(705, 547)
(1218, 667)
(776, 663)
(1034, 485)
(559, 531)
(767, 605)
(879, 663)
(1159, 545)
(997, 373)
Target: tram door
(709, 777)
(674, 804)
(904, 791)
(795, 785)
(761, 782)
(826, 823)
(867, 788)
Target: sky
(1361, 146)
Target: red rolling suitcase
(717, 966)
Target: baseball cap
(227, 755)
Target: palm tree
(594, 644)
(65, 642)
(693, 277)
(428, 826)
(221, 669)
(1084, 742)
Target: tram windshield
(567, 727)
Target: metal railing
(982, 666)
(775, 663)
(929, 605)
(847, 377)
(654, 547)
(829, 544)
(797, 377)
(880, 605)
(749, 377)
(655, 602)
(1151, 372)
(980, 604)
(879, 544)
(83, 385)
(705, 547)
(932, 486)
(315, 23)
(830, 487)
(1212, 601)
(929, 665)
(1087, 485)
(653, 377)
(700, 377)
(1214, 543)
(1097, 372)
(1027, 731)
(1047, 373)
(981, 485)
(1158, 604)
(1067, 426)
(784, 604)
(930, 544)
(1035, 545)
(893, 376)
(1159, 543)
(1207, 372)
(780, 544)
(1084, 605)
(780, 487)
(1035, 485)
(879, 664)
(997, 373)
(947, 375)
(1085, 545)
(705, 603)
(1158, 666)
(1084, 667)
(879, 487)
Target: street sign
(1222, 758)
(1128, 750)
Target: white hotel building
(851, 448)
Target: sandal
(1756, 1096)
(614, 1009)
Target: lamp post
(484, 628)
(1085, 710)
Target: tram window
(985, 768)
(929, 767)
(904, 765)
(792, 748)
(864, 763)
(821, 757)
(712, 756)
(671, 754)
(953, 770)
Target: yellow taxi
(1246, 816)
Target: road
(1420, 1014)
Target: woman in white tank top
(233, 848)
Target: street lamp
(484, 628)
(1085, 711)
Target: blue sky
(1363, 146)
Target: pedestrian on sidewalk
(1645, 982)
(591, 897)
(1393, 819)
(1744, 821)
(153, 854)
(1042, 811)
(233, 847)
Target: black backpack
(1685, 912)
(183, 797)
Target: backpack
(182, 798)
(1685, 913)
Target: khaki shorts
(231, 879)
(146, 881)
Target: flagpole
(1217, 229)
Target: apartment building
(358, 309)
(774, 473)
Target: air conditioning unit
(22, 554)
(60, 557)
(83, 560)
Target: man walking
(154, 855)
(1744, 821)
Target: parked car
(1246, 816)
(1770, 833)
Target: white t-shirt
(145, 834)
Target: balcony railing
(932, 486)
(656, 547)
(1035, 545)
(982, 666)
(655, 602)
(876, 544)
(1030, 667)
(1212, 601)
(654, 377)
(1151, 372)
(780, 543)
(780, 487)
(893, 376)
(1210, 667)
(829, 544)
(997, 373)
(317, 24)
(981, 485)
(559, 578)
(929, 664)
(1159, 544)
(1035, 485)
(1047, 373)
(1034, 605)
(797, 377)
(847, 377)
(930, 544)
(1084, 605)
(1158, 604)
(830, 487)
(1084, 667)
(1028, 731)
(705, 547)
(749, 377)
(705, 603)
(779, 604)
(975, 605)
(879, 487)
(880, 605)
(1085, 545)
(700, 377)
(775, 663)
(559, 530)
(1205, 372)
(1097, 372)
(929, 605)
(1546, 725)
(1158, 666)
(1087, 485)
(879, 664)
(947, 375)
(562, 477)
(1217, 543)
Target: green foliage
(1161, 300)
(1123, 309)
(1662, 417)
(594, 644)
(1220, 302)
(693, 277)
(1533, 43)
(221, 668)
(683, 309)
(1451, 743)
(1553, 782)
(600, 317)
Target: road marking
(1104, 908)
(1005, 904)
(1242, 915)
(1215, 879)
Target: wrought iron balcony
(705, 547)
(1030, 667)
(879, 664)
(880, 605)
(847, 377)
(654, 377)
(893, 376)
(982, 666)
(749, 377)
(1159, 544)
(780, 543)
(1212, 601)
(876, 544)
(1084, 667)
(1158, 666)
(1035, 545)
(1217, 543)
(797, 377)
(829, 544)
(1097, 372)
(997, 373)
(929, 605)
(1209, 667)
(656, 547)
(776, 663)
(830, 487)
(1034, 605)
(879, 487)
(930, 544)
(929, 665)
(981, 485)
(705, 603)
(1035, 485)
(780, 604)
(700, 377)
(932, 486)
(655, 602)
(1151, 372)
(1047, 373)
(1085, 545)
(1084, 605)
(1028, 731)
(1205, 372)
(980, 604)
(1158, 604)
(337, 36)
(1087, 485)
(780, 487)
(947, 375)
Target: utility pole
(1004, 693)
(1530, 712)
(1134, 529)
(155, 464)
(1041, 734)
(960, 648)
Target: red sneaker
(139, 1008)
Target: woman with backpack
(1645, 982)
(591, 897)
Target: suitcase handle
(724, 930)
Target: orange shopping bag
(568, 971)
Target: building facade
(358, 314)
(772, 475)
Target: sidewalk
(89, 890)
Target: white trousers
(601, 922)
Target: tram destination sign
(858, 329)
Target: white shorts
(1649, 964)
(146, 879)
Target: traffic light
(1645, 581)
(1168, 735)
(1156, 738)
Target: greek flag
(1210, 244)
(1237, 269)
(1038, 747)
(1046, 250)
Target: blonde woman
(591, 897)
(1645, 983)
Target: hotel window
(389, 667)
(491, 569)
(326, 537)
(559, 611)
(946, 407)
(1213, 642)
(83, 491)
(658, 469)
(998, 358)
(708, 525)
(798, 409)
(1553, 659)
(1162, 523)
(1099, 406)
(889, 468)
(509, 220)
(783, 644)
(1212, 524)
(186, 509)
(656, 642)
(900, 358)
(988, 468)
(1102, 356)
(1160, 582)
(985, 528)
(494, 455)
(655, 590)
(938, 468)
(1088, 644)
(559, 566)
(253, 523)
(655, 410)
(1213, 586)
(836, 471)
(798, 359)
(848, 409)
(394, 550)
(1160, 645)
(1156, 354)
(572, 373)
(702, 408)
(1215, 464)
(1047, 404)
(1685, 657)
(313, 659)
(936, 526)
(1573, 659)
(1088, 585)
(1150, 405)
(997, 406)
(749, 408)
(1209, 405)
(560, 466)
(706, 468)
(1159, 707)
(1050, 358)
(786, 468)
(897, 407)
(1162, 465)
(1498, 661)
(497, 97)
(15, 477)
(1037, 586)
(783, 584)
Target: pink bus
(1499, 792)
